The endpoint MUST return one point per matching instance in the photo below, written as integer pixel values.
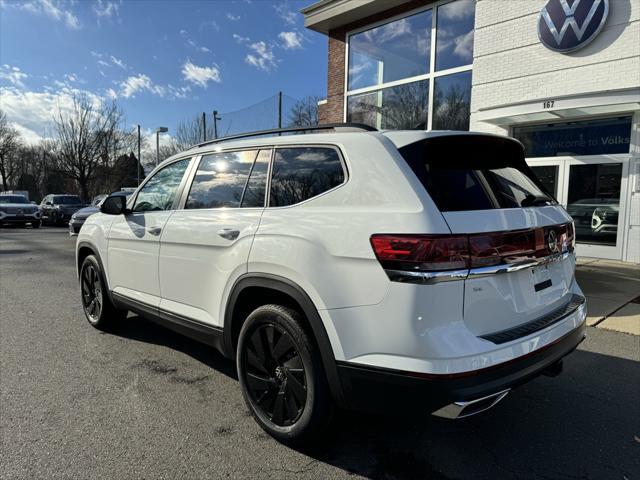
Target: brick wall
(333, 110)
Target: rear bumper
(379, 389)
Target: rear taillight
(421, 252)
(429, 253)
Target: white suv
(347, 267)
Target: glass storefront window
(548, 176)
(454, 34)
(593, 137)
(390, 52)
(389, 74)
(397, 108)
(452, 102)
(594, 201)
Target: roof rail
(347, 127)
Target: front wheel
(97, 306)
(281, 375)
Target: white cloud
(13, 75)
(140, 83)
(34, 111)
(232, 17)
(104, 64)
(27, 135)
(240, 38)
(262, 58)
(211, 23)
(118, 62)
(111, 94)
(464, 46)
(290, 40)
(204, 49)
(289, 16)
(106, 9)
(200, 75)
(457, 10)
(51, 8)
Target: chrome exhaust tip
(466, 409)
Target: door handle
(229, 233)
(154, 230)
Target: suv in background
(57, 209)
(78, 218)
(368, 269)
(17, 210)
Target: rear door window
(475, 173)
(301, 173)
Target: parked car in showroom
(57, 209)
(78, 218)
(373, 270)
(596, 219)
(17, 210)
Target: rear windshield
(475, 173)
(66, 200)
(13, 199)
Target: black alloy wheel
(92, 298)
(282, 376)
(275, 375)
(96, 303)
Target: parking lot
(146, 403)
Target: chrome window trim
(428, 278)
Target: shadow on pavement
(143, 330)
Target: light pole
(159, 130)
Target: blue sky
(162, 60)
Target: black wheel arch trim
(290, 288)
(95, 253)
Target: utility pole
(215, 123)
(204, 127)
(279, 109)
(139, 159)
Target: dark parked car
(57, 209)
(17, 210)
(78, 218)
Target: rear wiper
(535, 200)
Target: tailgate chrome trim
(510, 334)
(427, 278)
(517, 266)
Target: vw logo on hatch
(552, 241)
(567, 25)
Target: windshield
(469, 172)
(13, 199)
(66, 200)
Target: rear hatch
(519, 240)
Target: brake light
(421, 252)
(428, 253)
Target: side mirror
(114, 205)
(49, 203)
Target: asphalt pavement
(147, 403)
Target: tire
(36, 224)
(96, 304)
(281, 375)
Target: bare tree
(83, 138)
(10, 143)
(189, 132)
(304, 113)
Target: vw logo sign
(552, 241)
(567, 25)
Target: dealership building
(561, 76)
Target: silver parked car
(17, 210)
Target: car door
(205, 245)
(134, 238)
